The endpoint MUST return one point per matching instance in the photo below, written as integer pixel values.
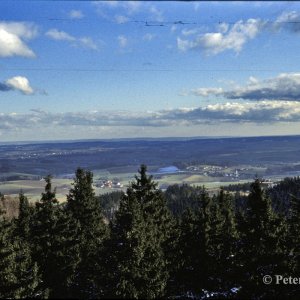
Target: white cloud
(183, 45)
(234, 37)
(204, 92)
(187, 32)
(227, 38)
(262, 112)
(253, 80)
(18, 83)
(76, 14)
(285, 86)
(132, 7)
(173, 28)
(128, 7)
(88, 43)
(289, 21)
(223, 27)
(13, 36)
(123, 41)
(288, 16)
(57, 35)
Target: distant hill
(58, 157)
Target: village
(218, 171)
(111, 184)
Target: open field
(34, 188)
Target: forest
(145, 243)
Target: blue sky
(109, 69)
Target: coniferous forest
(182, 243)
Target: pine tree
(85, 208)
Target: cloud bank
(285, 86)
(251, 112)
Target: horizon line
(23, 142)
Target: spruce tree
(207, 247)
(294, 234)
(43, 229)
(188, 255)
(159, 218)
(203, 236)
(225, 243)
(66, 255)
(138, 243)
(262, 247)
(55, 247)
(24, 219)
(292, 249)
(19, 276)
(126, 249)
(195, 246)
(85, 208)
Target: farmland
(211, 162)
